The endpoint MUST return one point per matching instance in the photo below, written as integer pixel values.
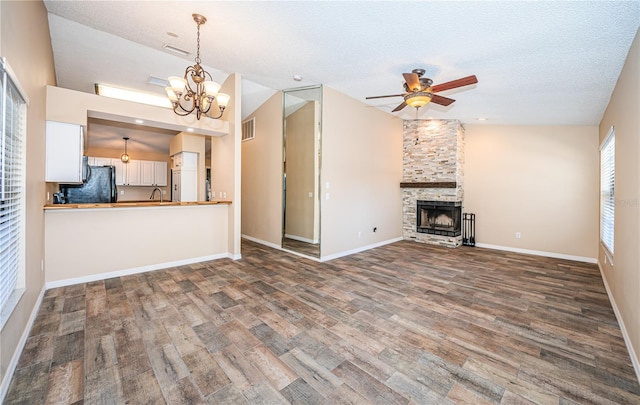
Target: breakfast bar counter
(130, 204)
(87, 242)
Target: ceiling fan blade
(445, 101)
(413, 81)
(391, 95)
(400, 107)
(465, 81)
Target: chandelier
(197, 90)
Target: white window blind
(13, 109)
(607, 187)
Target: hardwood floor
(305, 248)
(403, 323)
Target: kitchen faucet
(153, 193)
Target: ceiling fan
(419, 90)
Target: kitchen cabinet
(121, 173)
(153, 173)
(185, 161)
(133, 173)
(99, 161)
(63, 154)
(160, 175)
(136, 172)
(184, 185)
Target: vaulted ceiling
(537, 62)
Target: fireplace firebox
(439, 217)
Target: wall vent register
(249, 129)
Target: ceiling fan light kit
(196, 91)
(417, 99)
(419, 90)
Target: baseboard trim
(136, 270)
(6, 380)
(539, 253)
(262, 242)
(627, 340)
(301, 239)
(360, 249)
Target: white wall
(540, 181)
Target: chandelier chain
(198, 49)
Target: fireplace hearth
(439, 217)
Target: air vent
(248, 129)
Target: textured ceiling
(538, 63)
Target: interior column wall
(26, 44)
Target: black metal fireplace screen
(439, 217)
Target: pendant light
(125, 156)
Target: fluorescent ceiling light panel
(158, 81)
(135, 96)
(175, 50)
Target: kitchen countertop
(130, 204)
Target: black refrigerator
(100, 187)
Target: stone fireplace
(432, 178)
(439, 218)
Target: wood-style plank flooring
(403, 323)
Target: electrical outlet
(518, 235)
(121, 192)
(359, 234)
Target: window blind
(13, 112)
(607, 188)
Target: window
(13, 110)
(607, 187)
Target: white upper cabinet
(160, 173)
(147, 173)
(153, 173)
(185, 161)
(133, 177)
(136, 172)
(121, 173)
(99, 161)
(64, 149)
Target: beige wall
(623, 276)
(226, 161)
(300, 153)
(262, 175)
(362, 162)
(24, 33)
(119, 239)
(540, 181)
